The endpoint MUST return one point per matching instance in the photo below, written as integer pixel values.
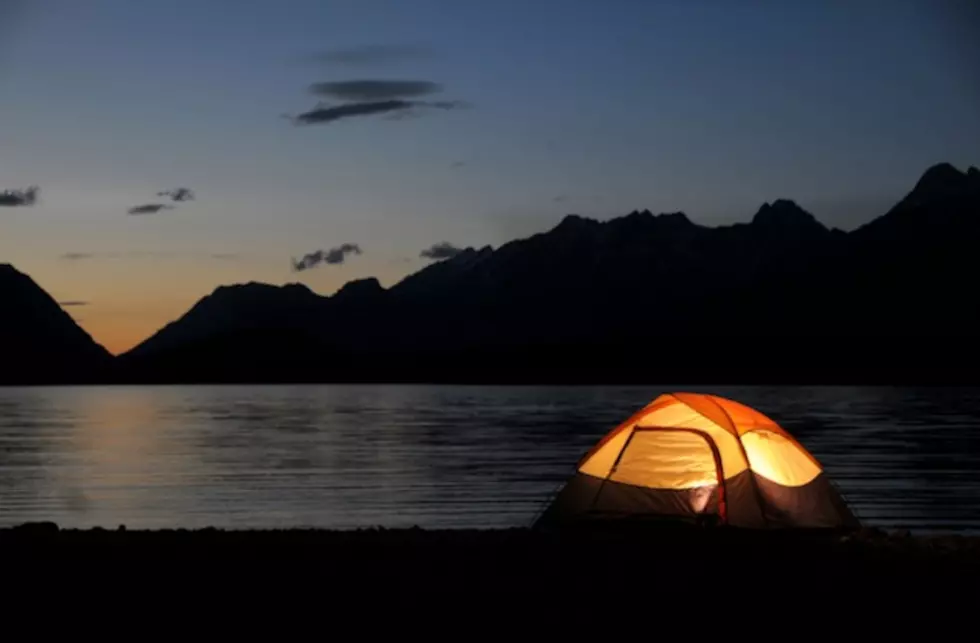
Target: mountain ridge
(532, 302)
(778, 297)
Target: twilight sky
(516, 112)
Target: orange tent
(694, 456)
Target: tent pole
(748, 463)
(755, 483)
(612, 469)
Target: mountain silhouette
(40, 342)
(638, 298)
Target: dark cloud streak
(19, 198)
(178, 194)
(330, 113)
(149, 208)
(333, 256)
(149, 254)
(441, 250)
(72, 303)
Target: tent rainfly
(702, 458)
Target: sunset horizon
(380, 134)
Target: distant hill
(642, 297)
(39, 342)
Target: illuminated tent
(692, 456)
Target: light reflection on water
(433, 456)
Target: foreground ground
(545, 576)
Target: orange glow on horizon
(124, 308)
(119, 334)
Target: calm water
(433, 456)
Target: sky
(484, 122)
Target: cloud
(375, 90)
(395, 107)
(77, 256)
(150, 254)
(72, 302)
(178, 194)
(441, 250)
(149, 208)
(559, 199)
(374, 54)
(328, 114)
(458, 164)
(18, 198)
(333, 256)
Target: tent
(704, 459)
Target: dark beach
(404, 567)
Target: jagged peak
(360, 287)
(941, 177)
(364, 282)
(784, 212)
(257, 288)
(674, 218)
(575, 222)
(6, 267)
(645, 219)
(469, 252)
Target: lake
(433, 456)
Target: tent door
(678, 468)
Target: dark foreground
(548, 579)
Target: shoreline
(517, 576)
(869, 543)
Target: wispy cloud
(441, 250)
(77, 256)
(72, 303)
(178, 194)
(385, 98)
(375, 90)
(150, 254)
(19, 198)
(373, 54)
(329, 113)
(333, 256)
(149, 208)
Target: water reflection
(439, 456)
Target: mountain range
(639, 298)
